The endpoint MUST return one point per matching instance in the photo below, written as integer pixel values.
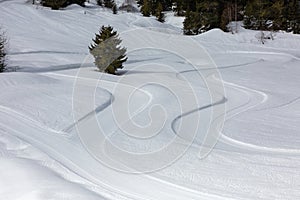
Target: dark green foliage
(115, 9)
(192, 23)
(203, 15)
(292, 14)
(179, 8)
(160, 16)
(272, 15)
(257, 14)
(210, 12)
(99, 2)
(2, 52)
(149, 7)
(109, 3)
(79, 2)
(146, 8)
(206, 17)
(109, 56)
(54, 4)
(57, 4)
(231, 11)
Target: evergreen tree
(277, 15)
(109, 56)
(99, 2)
(264, 15)
(57, 4)
(2, 52)
(192, 23)
(160, 16)
(78, 2)
(231, 11)
(115, 9)
(54, 4)
(109, 3)
(146, 8)
(210, 13)
(206, 16)
(140, 3)
(293, 16)
(178, 8)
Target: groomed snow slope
(257, 155)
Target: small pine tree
(79, 2)
(160, 16)
(178, 8)
(54, 4)
(109, 3)
(192, 23)
(146, 8)
(109, 56)
(2, 52)
(115, 9)
(293, 16)
(99, 2)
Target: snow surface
(42, 155)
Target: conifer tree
(109, 56)
(179, 7)
(146, 8)
(187, 24)
(293, 16)
(210, 12)
(54, 4)
(115, 9)
(160, 16)
(78, 2)
(2, 52)
(258, 15)
(277, 15)
(192, 23)
(99, 2)
(109, 3)
(57, 4)
(140, 2)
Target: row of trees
(203, 15)
(271, 15)
(155, 8)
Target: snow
(60, 130)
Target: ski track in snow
(246, 107)
(49, 148)
(251, 93)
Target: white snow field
(172, 126)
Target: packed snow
(50, 99)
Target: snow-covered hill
(214, 116)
